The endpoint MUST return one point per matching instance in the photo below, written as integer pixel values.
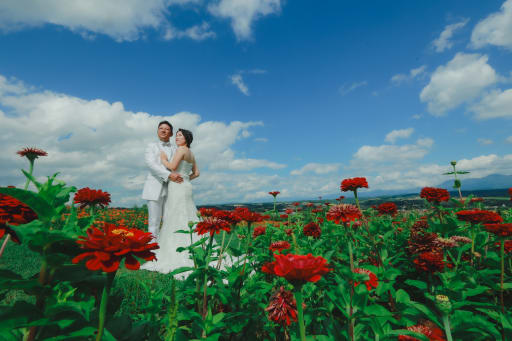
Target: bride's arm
(195, 170)
(178, 156)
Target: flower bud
(443, 304)
(453, 163)
(191, 224)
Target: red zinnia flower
(13, 212)
(274, 194)
(245, 214)
(282, 308)
(279, 246)
(508, 246)
(479, 216)
(476, 200)
(427, 328)
(108, 246)
(510, 192)
(430, 261)
(340, 198)
(297, 269)
(434, 195)
(353, 184)
(212, 225)
(387, 208)
(503, 230)
(283, 216)
(312, 230)
(230, 217)
(288, 232)
(371, 283)
(31, 153)
(258, 231)
(343, 213)
(207, 211)
(92, 197)
(289, 211)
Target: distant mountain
(493, 181)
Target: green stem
(447, 329)
(502, 252)
(103, 304)
(357, 200)
(300, 311)
(206, 265)
(30, 171)
(351, 255)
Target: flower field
(325, 271)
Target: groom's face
(164, 132)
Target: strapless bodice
(184, 169)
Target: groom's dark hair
(187, 134)
(165, 122)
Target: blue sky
(281, 95)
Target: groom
(155, 187)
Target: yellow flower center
(124, 232)
(442, 298)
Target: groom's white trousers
(155, 211)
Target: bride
(179, 208)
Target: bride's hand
(163, 157)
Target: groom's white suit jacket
(158, 175)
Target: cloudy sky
(281, 95)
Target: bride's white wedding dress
(179, 209)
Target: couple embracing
(168, 192)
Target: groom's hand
(175, 177)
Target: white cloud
(261, 139)
(382, 176)
(398, 134)
(459, 81)
(509, 139)
(392, 153)
(317, 168)
(443, 42)
(100, 144)
(243, 13)
(196, 32)
(414, 73)
(123, 20)
(345, 88)
(416, 116)
(496, 29)
(495, 104)
(484, 142)
(237, 80)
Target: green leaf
(418, 284)
(377, 310)
(402, 296)
(33, 200)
